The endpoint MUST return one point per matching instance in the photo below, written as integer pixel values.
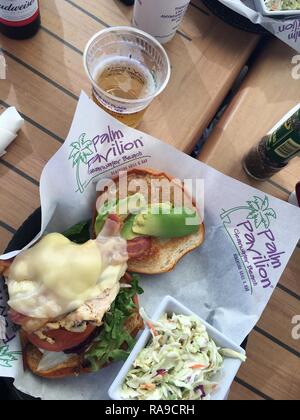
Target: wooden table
(268, 93)
(44, 78)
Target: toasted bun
(164, 254)
(32, 357)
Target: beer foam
(129, 63)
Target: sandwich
(71, 294)
(75, 304)
(153, 209)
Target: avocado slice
(127, 232)
(120, 207)
(160, 208)
(166, 226)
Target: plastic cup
(128, 69)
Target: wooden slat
(50, 57)
(240, 393)
(31, 150)
(19, 198)
(271, 369)
(265, 96)
(194, 94)
(112, 13)
(37, 99)
(277, 318)
(214, 156)
(190, 23)
(66, 25)
(290, 176)
(291, 276)
(5, 237)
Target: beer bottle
(19, 19)
(275, 150)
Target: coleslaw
(181, 362)
(275, 5)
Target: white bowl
(171, 305)
(261, 6)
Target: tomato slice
(64, 340)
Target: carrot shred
(148, 387)
(197, 366)
(151, 327)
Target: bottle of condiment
(274, 151)
(19, 19)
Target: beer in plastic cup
(128, 69)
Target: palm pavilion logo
(8, 357)
(80, 154)
(105, 152)
(249, 227)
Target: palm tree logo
(259, 211)
(79, 154)
(8, 357)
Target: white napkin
(6, 137)
(10, 123)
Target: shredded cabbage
(180, 363)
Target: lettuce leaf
(79, 233)
(114, 343)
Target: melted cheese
(56, 276)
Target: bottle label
(18, 12)
(284, 143)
